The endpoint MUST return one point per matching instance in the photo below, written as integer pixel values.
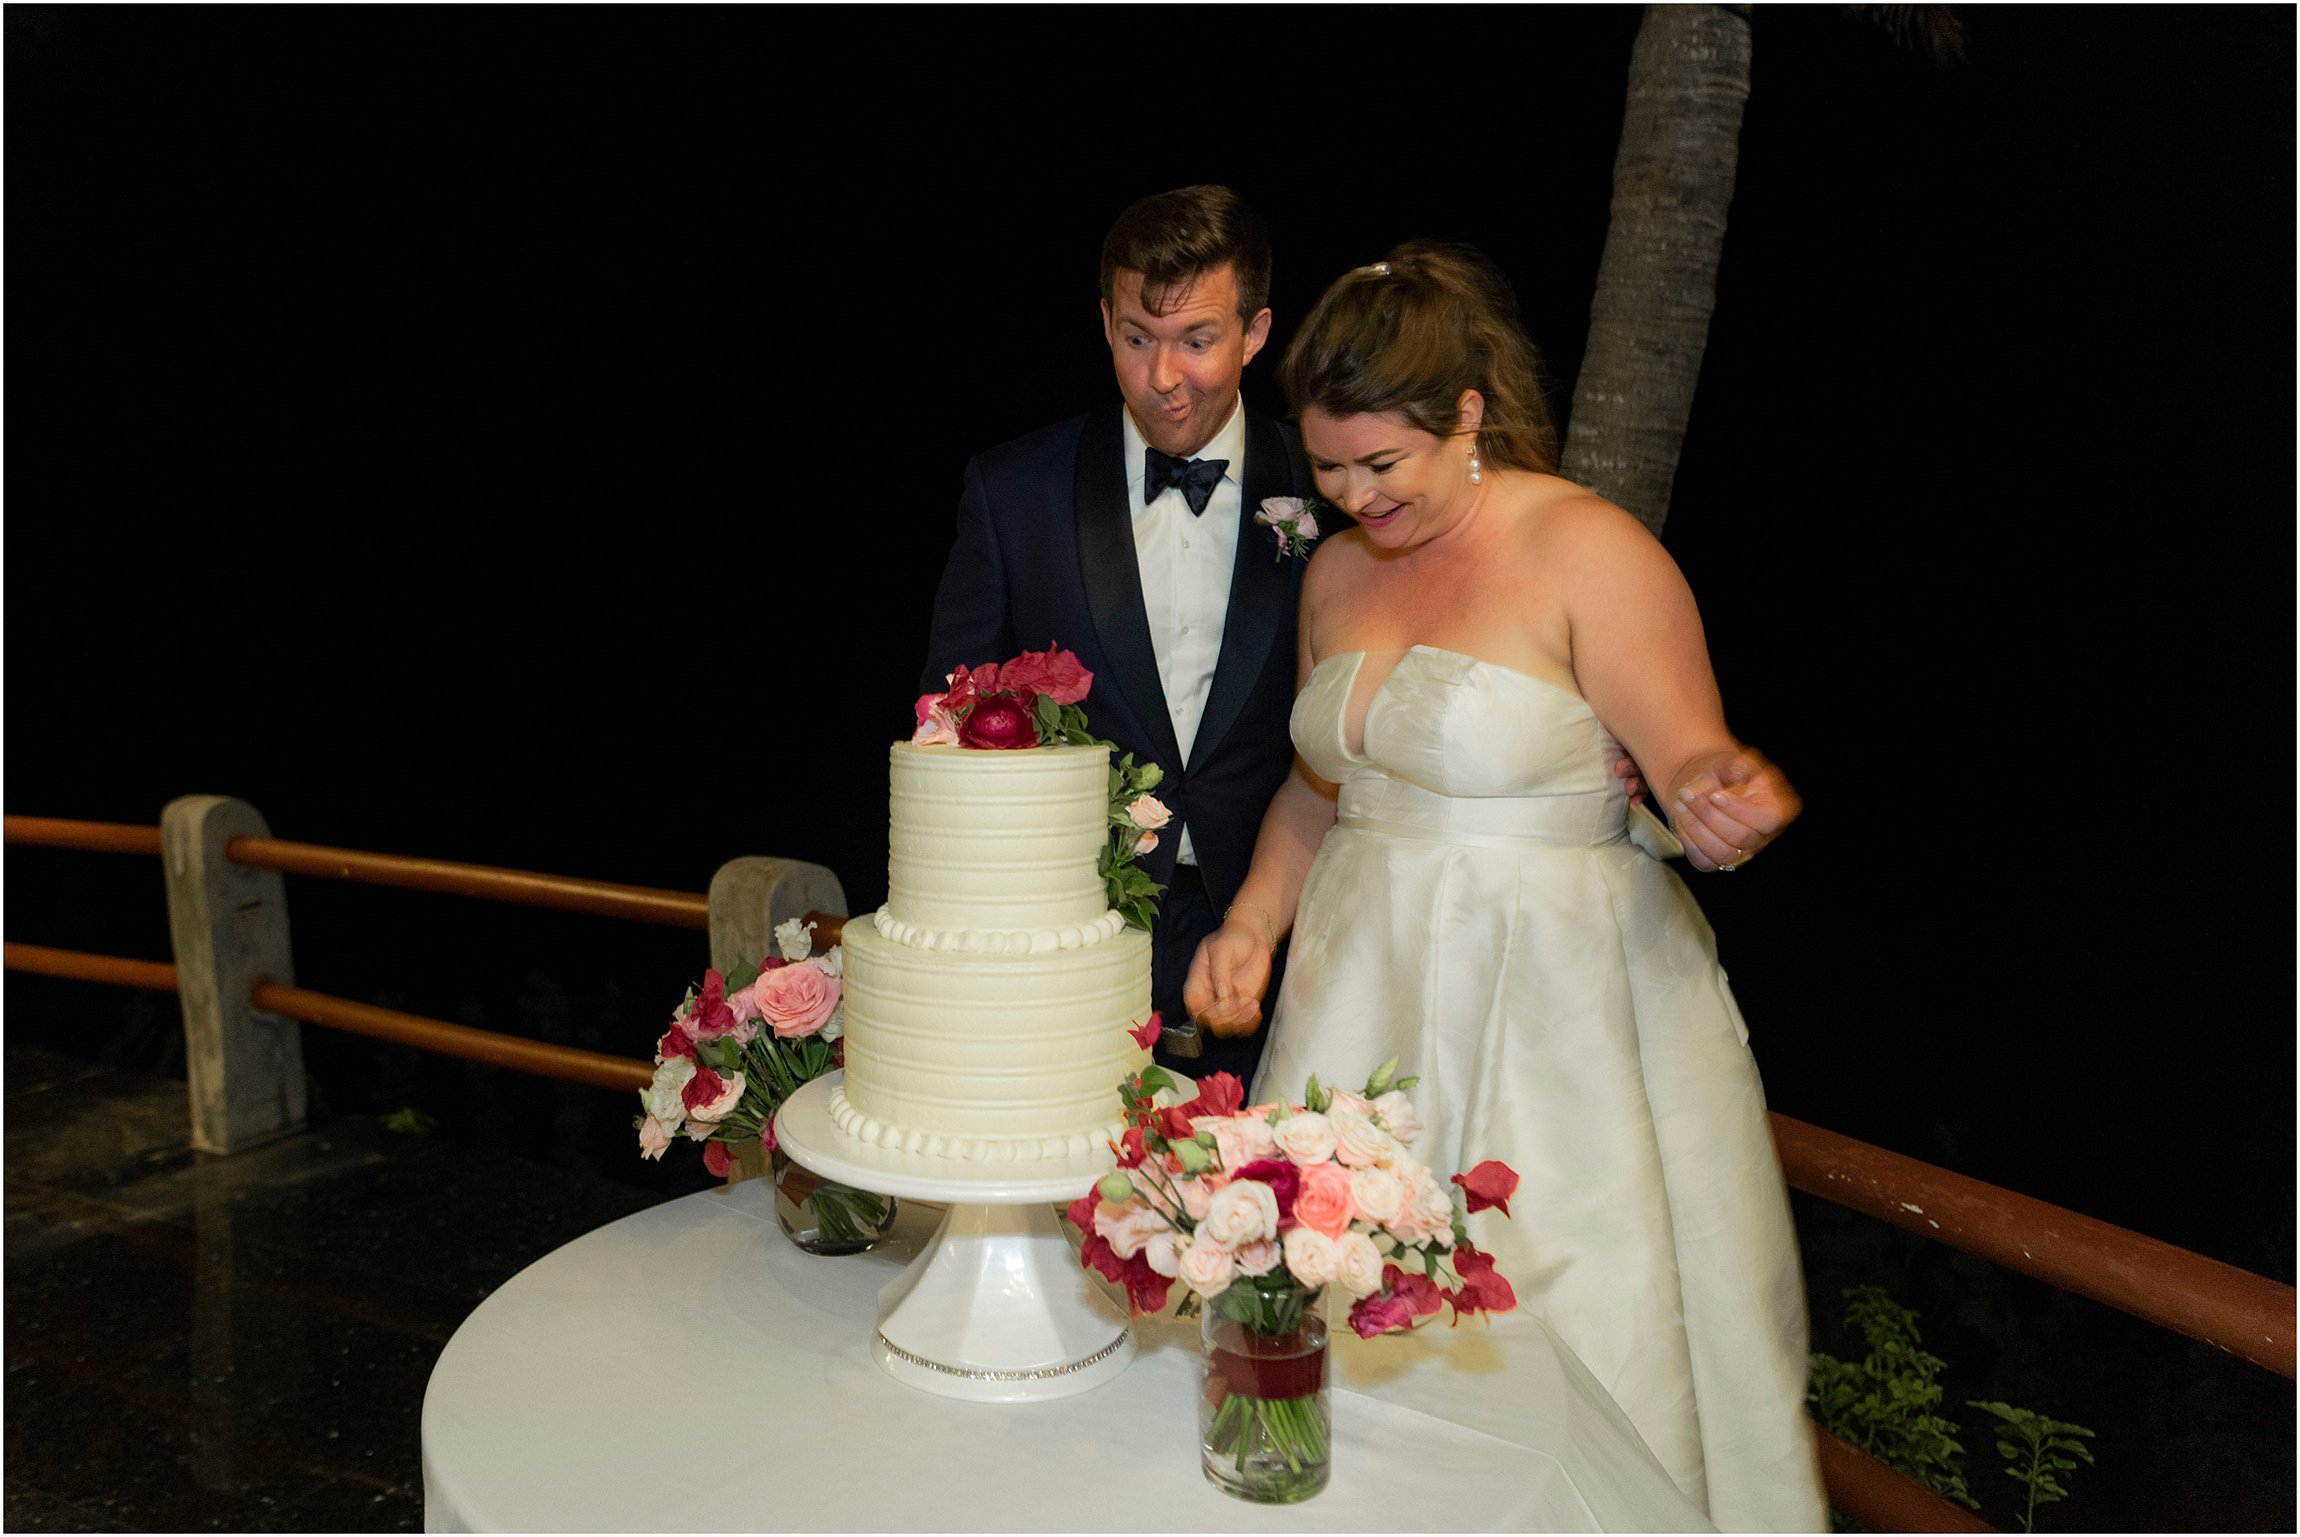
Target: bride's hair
(1409, 334)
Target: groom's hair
(1172, 238)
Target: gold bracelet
(1269, 922)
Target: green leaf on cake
(742, 976)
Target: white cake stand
(997, 1308)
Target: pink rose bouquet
(740, 1045)
(1257, 1210)
(1033, 701)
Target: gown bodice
(1464, 750)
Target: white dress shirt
(1186, 563)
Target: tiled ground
(198, 1343)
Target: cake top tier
(1028, 710)
(997, 841)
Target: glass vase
(822, 1216)
(1265, 1420)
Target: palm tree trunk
(1657, 281)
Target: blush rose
(796, 1000)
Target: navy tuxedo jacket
(1045, 557)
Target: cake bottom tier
(995, 1057)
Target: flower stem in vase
(823, 1216)
(1265, 1425)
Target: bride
(1467, 889)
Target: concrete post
(230, 930)
(749, 896)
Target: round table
(688, 1369)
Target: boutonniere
(1292, 519)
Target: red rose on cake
(998, 721)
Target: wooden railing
(2246, 1315)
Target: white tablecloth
(687, 1369)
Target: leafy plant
(1887, 1404)
(410, 1122)
(1884, 1403)
(2037, 1451)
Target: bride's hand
(1729, 805)
(1224, 989)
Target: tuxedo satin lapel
(1113, 578)
(1259, 584)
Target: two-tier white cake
(988, 1003)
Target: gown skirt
(1488, 911)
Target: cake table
(689, 1369)
(996, 1307)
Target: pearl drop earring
(1475, 478)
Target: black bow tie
(1196, 477)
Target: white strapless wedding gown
(1480, 912)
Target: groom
(1127, 535)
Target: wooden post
(749, 896)
(230, 930)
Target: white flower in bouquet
(1425, 1213)
(1377, 1194)
(662, 1096)
(1312, 1257)
(1239, 1214)
(1206, 1267)
(653, 1138)
(795, 938)
(1399, 1116)
(1360, 1143)
(1306, 1138)
(1357, 1265)
(1163, 1253)
(1239, 1141)
(1130, 1227)
(1259, 1257)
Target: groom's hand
(1632, 779)
(1224, 989)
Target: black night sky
(529, 436)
